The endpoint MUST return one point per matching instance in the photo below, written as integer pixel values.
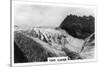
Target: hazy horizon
(29, 15)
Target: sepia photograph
(51, 32)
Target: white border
(51, 4)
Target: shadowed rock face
(19, 56)
(79, 27)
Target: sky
(30, 15)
